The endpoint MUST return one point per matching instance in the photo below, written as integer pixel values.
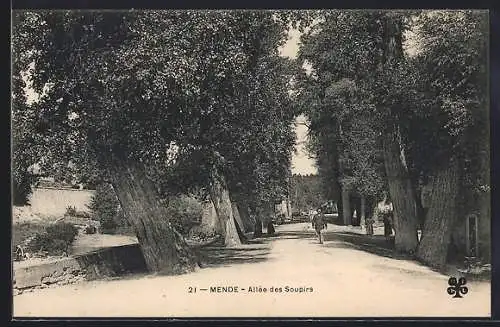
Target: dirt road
(336, 279)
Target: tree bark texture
(239, 222)
(219, 193)
(401, 192)
(248, 221)
(362, 218)
(346, 207)
(164, 249)
(236, 215)
(257, 232)
(436, 235)
(355, 208)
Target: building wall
(53, 202)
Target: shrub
(63, 231)
(105, 208)
(71, 211)
(184, 212)
(90, 229)
(56, 239)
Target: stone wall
(53, 202)
(108, 262)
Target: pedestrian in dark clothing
(319, 224)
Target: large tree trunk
(401, 191)
(267, 218)
(240, 228)
(164, 249)
(257, 232)
(340, 210)
(244, 212)
(219, 193)
(436, 236)
(346, 207)
(270, 228)
(236, 215)
(355, 208)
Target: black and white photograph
(250, 163)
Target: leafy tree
(451, 63)
(306, 192)
(424, 113)
(142, 85)
(344, 49)
(106, 209)
(250, 137)
(24, 136)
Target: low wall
(114, 261)
(108, 262)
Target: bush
(55, 240)
(22, 232)
(105, 208)
(71, 211)
(90, 229)
(184, 212)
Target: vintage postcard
(250, 163)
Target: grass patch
(23, 231)
(55, 239)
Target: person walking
(319, 224)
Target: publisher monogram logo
(457, 287)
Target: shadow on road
(375, 244)
(220, 256)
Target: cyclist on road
(319, 223)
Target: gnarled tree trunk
(436, 235)
(401, 191)
(248, 222)
(164, 249)
(219, 193)
(240, 228)
(236, 215)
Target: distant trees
(305, 192)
